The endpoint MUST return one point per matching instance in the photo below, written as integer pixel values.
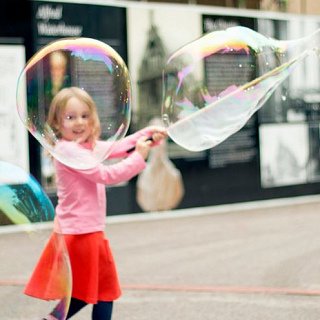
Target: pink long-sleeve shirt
(81, 193)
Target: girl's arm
(105, 174)
(116, 173)
(127, 143)
(123, 170)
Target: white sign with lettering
(13, 134)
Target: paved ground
(230, 263)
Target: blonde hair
(59, 103)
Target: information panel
(13, 134)
(56, 20)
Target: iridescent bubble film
(26, 215)
(214, 84)
(92, 66)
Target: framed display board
(13, 134)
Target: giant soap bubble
(25, 218)
(213, 85)
(90, 65)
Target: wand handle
(133, 148)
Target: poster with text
(53, 21)
(13, 134)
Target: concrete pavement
(247, 261)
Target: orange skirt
(94, 274)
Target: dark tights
(101, 311)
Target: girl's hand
(158, 133)
(143, 146)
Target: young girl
(81, 208)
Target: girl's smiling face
(75, 122)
